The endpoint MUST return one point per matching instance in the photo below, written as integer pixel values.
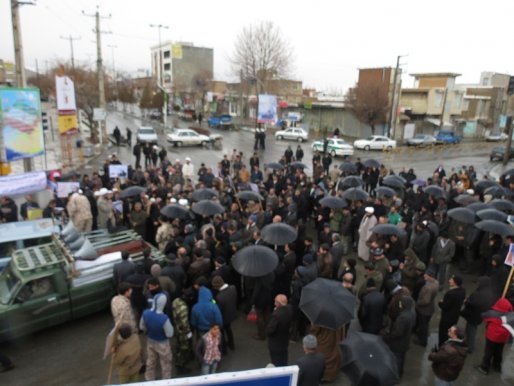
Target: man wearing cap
(371, 272)
(450, 307)
(442, 253)
(79, 210)
(419, 241)
(408, 269)
(367, 223)
(226, 299)
(105, 211)
(312, 364)
(425, 306)
(380, 262)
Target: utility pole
(21, 80)
(441, 124)
(161, 68)
(71, 39)
(99, 69)
(506, 157)
(392, 114)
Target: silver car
(421, 140)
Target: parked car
(421, 140)
(293, 133)
(498, 152)
(496, 136)
(375, 142)
(155, 115)
(447, 137)
(146, 134)
(188, 137)
(220, 121)
(336, 147)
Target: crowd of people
(195, 295)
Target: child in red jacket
(495, 337)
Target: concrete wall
(330, 118)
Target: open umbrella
(492, 214)
(465, 199)
(333, 202)
(435, 191)
(484, 184)
(385, 191)
(348, 167)
(388, 229)
(298, 165)
(248, 195)
(464, 215)
(255, 261)
(394, 181)
(496, 227)
(274, 166)
(504, 205)
(351, 182)
(207, 208)
(279, 234)
(326, 303)
(368, 361)
(354, 194)
(507, 174)
(371, 163)
(132, 191)
(174, 211)
(499, 191)
(418, 182)
(205, 194)
(476, 206)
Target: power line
(71, 39)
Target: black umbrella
(476, 206)
(174, 211)
(371, 163)
(354, 194)
(368, 361)
(484, 184)
(388, 229)
(351, 182)
(207, 208)
(326, 303)
(279, 234)
(205, 194)
(248, 195)
(492, 214)
(298, 165)
(464, 215)
(394, 181)
(274, 166)
(333, 202)
(504, 205)
(348, 167)
(507, 174)
(132, 191)
(496, 227)
(385, 191)
(435, 191)
(465, 199)
(499, 191)
(255, 261)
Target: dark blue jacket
(205, 313)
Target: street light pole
(71, 39)
(161, 68)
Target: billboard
(67, 123)
(65, 92)
(176, 51)
(267, 112)
(20, 121)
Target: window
(167, 66)
(36, 289)
(166, 54)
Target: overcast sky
(331, 39)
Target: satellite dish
(86, 251)
(77, 243)
(68, 229)
(72, 236)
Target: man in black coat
(398, 338)
(120, 271)
(371, 311)
(312, 364)
(450, 306)
(175, 271)
(277, 331)
(226, 299)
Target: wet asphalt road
(71, 354)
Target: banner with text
(20, 184)
(267, 112)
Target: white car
(187, 137)
(147, 134)
(294, 133)
(335, 147)
(375, 142)
(496, 137)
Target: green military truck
(65, 279)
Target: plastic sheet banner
(267, 112)
(20, 121)
(21, 184)
(274, 376)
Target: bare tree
(260, 53)
(369, 103)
